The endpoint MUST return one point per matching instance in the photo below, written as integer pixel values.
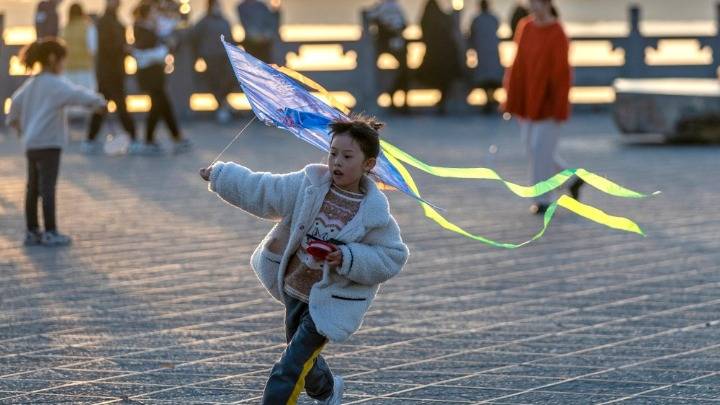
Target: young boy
(336, 205)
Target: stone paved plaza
(156, 304)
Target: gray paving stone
(155, 302)
(542, 397)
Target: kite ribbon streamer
(538, 189)
(569, 203)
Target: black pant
(301, 365)
(261, 49)
(152, 81)
(43, 169)
(115, 93)
(219, 77)
(402, 76)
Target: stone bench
(679, 110)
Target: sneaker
(116, 145)
(135, 148)
(337, 394)
(32, 238)
(54, 238)
(223, 115)
(182, 146)
(90, 147)
(538, 209)
(151, 149)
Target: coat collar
(375, 209)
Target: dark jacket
(442, 62)
(260, 23)
(145, 37)
(46, 20)
(111, 52)
(484, 40)
(206, 36)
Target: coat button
(302, 227)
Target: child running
(335, 208)
(37, 112)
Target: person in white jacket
(333, 208)
(37, 112)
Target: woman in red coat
(538, 87)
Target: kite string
(233, 140)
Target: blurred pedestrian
(538, 87)
(261, 24)
(488, 73)
(519, 12)
(81, 40)
(37, 113)
(150, 53)
(388, 17)
(47, 21)
(205, 39)
(110, 76)
(441, 66)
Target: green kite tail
(538, 189)
(584, 210)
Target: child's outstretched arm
(72, 94)
(265, 195)
(379, 257)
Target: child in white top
(37, 112)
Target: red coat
(538, 82)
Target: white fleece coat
(373, 250)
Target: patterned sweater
(338, 208)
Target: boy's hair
(40, 51)
(363, 130)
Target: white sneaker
(151, 149)
(116, 145)
(135, 148)
(55, 238)
(182, 146)
(223, 115)
(337, 394)
(90, 147)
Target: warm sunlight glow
(592, 95)
(138, 103)
(203, 102)
(130, 65)
(200, 65)
(679, 52)
(322, 57)
(423, 97)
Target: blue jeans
(300, 365)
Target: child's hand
(334, 258)
(205, 173)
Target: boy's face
(347, 162)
